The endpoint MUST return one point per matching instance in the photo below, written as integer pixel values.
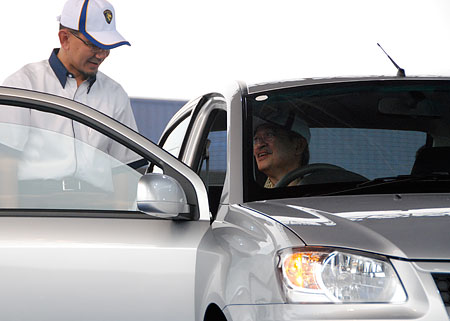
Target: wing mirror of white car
(161, 196)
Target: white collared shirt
(101, 93)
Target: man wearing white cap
(281, 146)
(87, 34)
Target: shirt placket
(77, 94)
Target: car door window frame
(106, 125)
(196, 137)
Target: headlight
(336, 276)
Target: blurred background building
(152, 115)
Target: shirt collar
(61, 71)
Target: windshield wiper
(381, 182)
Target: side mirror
(161, 196)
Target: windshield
(348, 137)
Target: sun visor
(286, 118)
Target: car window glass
(213, 163)
(174, 140)
(370, 152)
(338, 137)
(53, 162)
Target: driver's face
(274, 151)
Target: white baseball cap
(95, 19)
(287, 119)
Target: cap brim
(299, 126)
(106, 39)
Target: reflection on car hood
(407, 226)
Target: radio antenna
(400, 71)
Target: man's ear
(300, 145)
(63, 35)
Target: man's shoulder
(33, 67)
(28, 71)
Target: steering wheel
(302, 171)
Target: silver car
(192, 231)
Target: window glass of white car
(355, 136)
(174, 140)
(370, 152)
(212, 165)
(52, 162)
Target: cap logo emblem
(108, 16)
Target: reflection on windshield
(345, 133)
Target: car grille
(443, 284)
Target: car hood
(406, 226)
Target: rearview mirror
(424, 107)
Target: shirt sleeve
(124, 114)
(15, 121)
(19, 79)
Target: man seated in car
(281, 148)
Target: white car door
(73, 244)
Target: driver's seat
(432, 160)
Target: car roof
(268, 86)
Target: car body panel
(283, 84)
(97, 268)
(406, 226)
(248, 241)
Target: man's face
(84, 57)
(275, 153)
